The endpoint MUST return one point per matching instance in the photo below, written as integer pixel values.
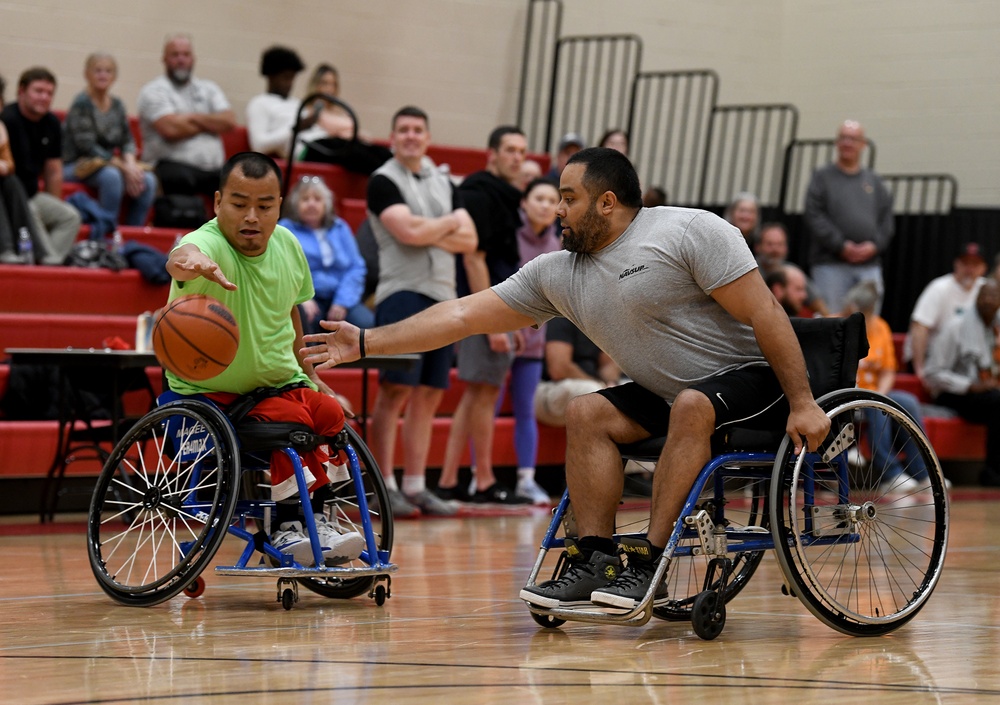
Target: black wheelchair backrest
(832, 348)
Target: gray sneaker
(628, 589)
(429, 504)
(577, 584)
(401, 507)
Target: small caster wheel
(195, 588)
(708, 615)
(547, 620)
(785, 590)
(380, 595)
(287, 598)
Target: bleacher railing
(542, 29)
(745, 152)
(592, 80)
(669, 125)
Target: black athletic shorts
(748, 397)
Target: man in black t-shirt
(36, 145)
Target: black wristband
(361, 341)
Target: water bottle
(24, 246)
(117, 242)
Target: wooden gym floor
(455, 632)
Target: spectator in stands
(570, 144)
(849, 217)
(771, 249)
(419, 226)
(493, 201)
(744, 212)
(654, 196)
(616, 139)
(530, 171)
(877, 372)
(225, 258)
(271, 115)
(15, 212)
(961, 371)
(338, 270)
(181, 118)
(788, 285)
(671, 295)
(573, 366)
(536, 236)
(99, 148)
(36, 146)
(943, 300)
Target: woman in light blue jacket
(338, 270)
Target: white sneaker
(338, 546)
(291, 539)
(529, 489)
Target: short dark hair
(496, 137)
(410, 111)
(767, 225)
(254, 165)
(776, 276)
(279, 59)
(540, 181)
(35, 73)
(609, 170)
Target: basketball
(196, 337)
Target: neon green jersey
(268, 287)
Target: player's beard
(589, 233)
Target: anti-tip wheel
(380, 595)
(708, 615)
(547, 620)
(287, 598)
(195, 588)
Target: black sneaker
(576, 585)
(451, 494)
(631, 585)
(498, 494)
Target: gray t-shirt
(160, 97)
(645, 298)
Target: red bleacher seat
(354, 211)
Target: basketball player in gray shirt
(673, 295)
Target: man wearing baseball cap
(570, 144)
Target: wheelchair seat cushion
(274, 435)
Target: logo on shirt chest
(633, 270)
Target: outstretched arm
(187, 262)
(440, 325)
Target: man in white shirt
(943, 300)
(272, 115)
(181, 118)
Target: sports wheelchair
(861, 555)
(171, 490)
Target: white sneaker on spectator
(291, 539)
(529, 489)
(338, 546)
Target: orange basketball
(196, 337)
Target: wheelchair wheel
(861, 556)
(163, 503)
(745, 506)
(345, 509)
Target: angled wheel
(163, 503)
(345, 509)
(745, 505)
(860, 555)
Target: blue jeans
(886, 446)
(109, 182)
